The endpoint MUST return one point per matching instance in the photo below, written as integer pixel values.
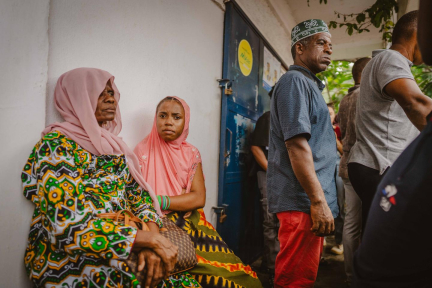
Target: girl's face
(170, 120)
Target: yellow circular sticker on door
(245, 57)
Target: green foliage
(379, 15)
(338, 80)
(423, 77)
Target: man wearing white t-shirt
(391, 110)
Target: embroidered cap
(307, 28)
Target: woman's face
(106, 106)
(170, 120)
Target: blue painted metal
(242, 229)
(227, 45)
(238, 116)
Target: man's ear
(299, 48)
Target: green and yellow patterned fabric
(68, 246)
(218, 266)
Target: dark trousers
(365, 181)
(340, 219)
(270, 225)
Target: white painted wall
(154, 49)
(406, 6)
(23, 62)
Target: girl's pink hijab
(76, 96)
(169, 167)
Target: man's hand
(322, 219)
(163, 247)
(154, 268)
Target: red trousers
(300, 251)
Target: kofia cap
(307, 28)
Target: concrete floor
(330, 275)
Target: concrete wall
(23, 62)
(154, 49)
(406, 6)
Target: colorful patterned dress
(68, 245)
(218, 266)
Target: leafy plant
(338, 79)
(379, 15)
(423, 77)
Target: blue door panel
(240, 111)
(238, 191)
(245, 88)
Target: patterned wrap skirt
(218, 266)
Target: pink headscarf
(169, 167)
(76, 96)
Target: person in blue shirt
(302, 158)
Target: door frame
(232, 4)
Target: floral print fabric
(68, 246)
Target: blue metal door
(241, 108)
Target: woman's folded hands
(155, 271)
(156, 254)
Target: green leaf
(332, 24)
(361, 18)
(377, 19)
(350, 30)
(428, 89)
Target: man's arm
(416, 105)
(339, 145)
(259, 156)
(195, 199)
(301, 159)
(342, 113)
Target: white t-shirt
(383, 130)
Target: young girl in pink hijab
(173, 168)
(79, 169)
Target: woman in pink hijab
(81, 168)
(173, 168)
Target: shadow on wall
(52, 115)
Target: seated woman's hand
(154, 268)
(160, 245)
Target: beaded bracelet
(164, 202)
(169, 202)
